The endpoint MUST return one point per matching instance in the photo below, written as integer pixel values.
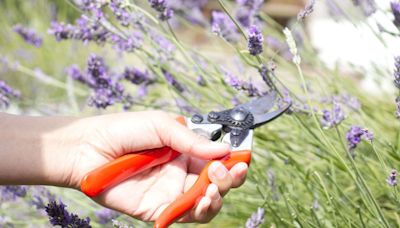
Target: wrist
(60, 149)
(36, 150)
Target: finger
(238, 173)
(219, 175)
(200, 212)
(196, 165)
(182, 139)
(216, 200)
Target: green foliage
(301, 174)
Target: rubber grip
(120, 169)
(189, 199)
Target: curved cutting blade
(260, 119)
(260, 105)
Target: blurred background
(339, 38)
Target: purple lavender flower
(224, 27)
(106, 89)
(353, 137)
(89, 5)
(160, 6)
(395, 6)
(122, 15)
(7, 93)
(129, 44)
(137, 76)
(235, 101)
(61, 31)
(12, 192)
(392, 179)
(142, 91)
(256, 219)
(200, 81)
(85, 30)
(368, 135)
(233, 81)
(264, 72)
(332, 118)
(398, 107)
(247, 10)
(251, 89)
(75, 73)
(106, 215)
(397, 71)
(165, 48)
(351, 102)
(40, 197)
(166, 14)
(308, 9)
(59, 216)
(29, 35)
(255, 40)
(172, 81)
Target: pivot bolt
(213, 116)
(196, 118)
(239, 114)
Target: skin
(59, 151)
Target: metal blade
(267, 117)
(260, 105)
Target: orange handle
(189, 199)
(120, 169)
(112, 173)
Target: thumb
(182, 139)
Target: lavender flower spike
(334, 117)
(395, 6)
(12, 192)
(224, 27)
(172, 81)
(353, 137)
(256, 219)
(6, 93)
(59, 216)
(398, 107)
(106, 215)
(392, 179)
(29, 35)
(160, 6)
(396, 73)
(255, 40)
(308, 9)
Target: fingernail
(220, 171)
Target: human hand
(102, 139)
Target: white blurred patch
(354, 46)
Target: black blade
(261, 119)
(260, 105)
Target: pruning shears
(235, 126)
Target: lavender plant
(105, 56)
